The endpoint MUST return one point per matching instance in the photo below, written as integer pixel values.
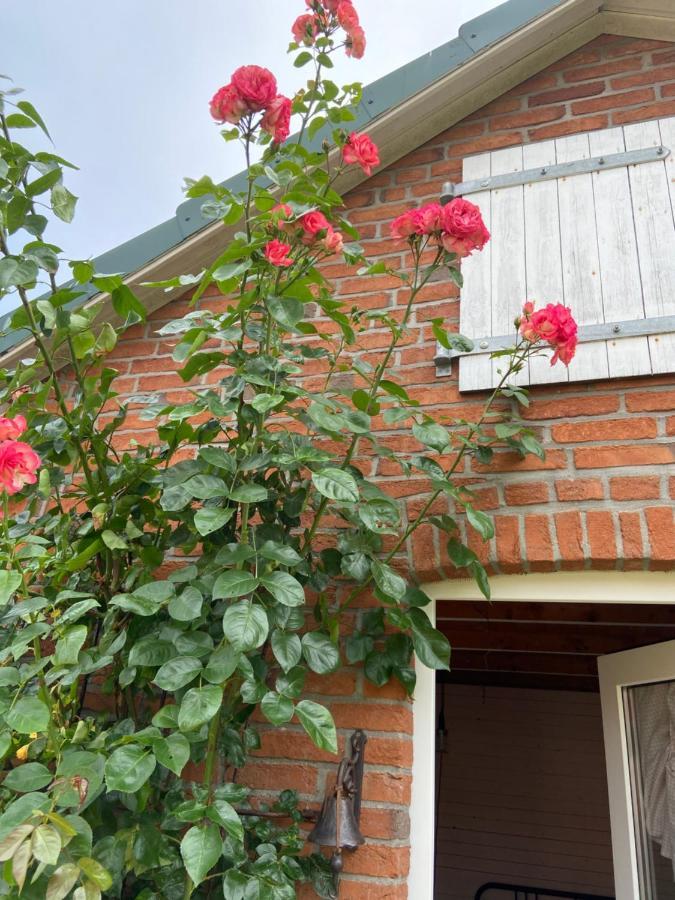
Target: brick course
(603, 497)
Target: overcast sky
(124, 89)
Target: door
(637, 690)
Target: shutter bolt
(659, 151)
(544, 171)
(483, 345)
(616, 329)
(601, 161)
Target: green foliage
(189, 578)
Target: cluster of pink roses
(326, 16)
(553, 324)
(18, 461)
(313, 230)
(458, 226)
(253, 89)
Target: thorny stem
(355, 592)
(415, 288)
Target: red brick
(336, 684)
(573, 126)
(631, 538)
(665, 56)
(353, 889)
(507, 535)
(569, 532)
(612, 101)
(567, 93)
(633, 45)
(607, 430)
(529, 117)
(600, 530)
(651, 401)
(387, 824)
(608, 457)
(661, 530)
(668, 90)
(381, 716)
(509, 461)
(585, 73)
(667, 73)
(635, 488)
(378, 861)
(589, 405)
(478, 145)
(387, 787)
(527, 492)
(269, 776)
(654, 111)
(538, 541)
(576, 489)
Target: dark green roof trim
(378, 97)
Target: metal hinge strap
(548, 173)
(604, 332)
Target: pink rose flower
(333, 242)
(18, 465)
(227, 106)
(277, 119)
(256, 86)
(429, 218)
(406, 224)
(463, 228)
(314, 222)
(10, 429)
(305, 29)
(276, 253)
(361, 150)
(355, 45)
(553, 324)
(347, 16)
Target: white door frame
(554, 587)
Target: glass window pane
(650, 722)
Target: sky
(124, 89)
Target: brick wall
(603, 498)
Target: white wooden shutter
(602, 242)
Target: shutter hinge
(606, 331)
(548, 173)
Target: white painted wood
(543, 252)
(475, 317)
(666, 342)
(508, 285)
(581, 262)
(653, 213)
(617, 246)
(601, 243)
(423, 792)
(618, 671)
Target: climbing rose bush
(164, 593)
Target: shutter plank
(617, 246)
(508, 255)
(543, 254)
(581, 263)
(475, 372)
(667, 341)
(653, 214)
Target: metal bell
(337, 825)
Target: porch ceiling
(547, 645)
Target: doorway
(521, 794)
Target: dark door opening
(521, 782)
